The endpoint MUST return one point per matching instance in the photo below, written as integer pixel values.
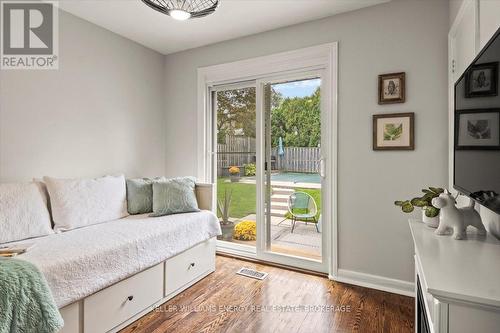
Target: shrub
(234, 170)
(245, 230)
(250, 169)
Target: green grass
(244, 197)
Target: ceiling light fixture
(184, 9)
(178, 14)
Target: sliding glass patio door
(289, 115)
(269, 168)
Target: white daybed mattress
(81, 262)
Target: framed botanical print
(482, 80)
(393, 131)
(477, 129)
(391, 88)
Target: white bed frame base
(75, 320)
(110, 309)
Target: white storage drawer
(188, 266)
(71, 316)
(115, 304)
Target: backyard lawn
(242, 200)
(244, 197)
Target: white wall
(102, 112)
(454, 8)
(402, 35)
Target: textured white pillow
(45, 195)
(23, 212)
(78, 203)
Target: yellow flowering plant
(234, 170)
(245, 230)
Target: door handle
(322, 167)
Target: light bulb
(179, 14)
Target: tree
(276, 98)
(235, 113)
(297, 121)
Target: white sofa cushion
(23, 212)
(78, 203)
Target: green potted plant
(234, 174)
(226, 225)
(430, 214)
(250, 169)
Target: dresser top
(459, 270)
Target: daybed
(105, 276)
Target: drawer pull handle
(191, 265)
(130, 298)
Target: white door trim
(321, 57)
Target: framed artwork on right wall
(391, 88)
(393, 131)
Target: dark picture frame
(392, 84)
(493, 80)
(410, 127)
(478, 130)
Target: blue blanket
(26, 303)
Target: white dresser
(457, 283)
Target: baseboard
(375, 282)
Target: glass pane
(294, 152)
(236, 164)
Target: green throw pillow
(172, 196)
(140, 195)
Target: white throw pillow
(23, 212)
(45, 195)
(78, 203)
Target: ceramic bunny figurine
(451, 217)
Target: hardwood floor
(226, 302)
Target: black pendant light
(184, 9)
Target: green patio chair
(302, 208)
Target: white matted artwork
(393, 131)
(477, 129)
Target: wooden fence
(237, 151)
(298, 159)
(240, 150)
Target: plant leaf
(431, 211)
(429, 196)
(407, 207)
(419, 202)
(415, 201)
(437, 190)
